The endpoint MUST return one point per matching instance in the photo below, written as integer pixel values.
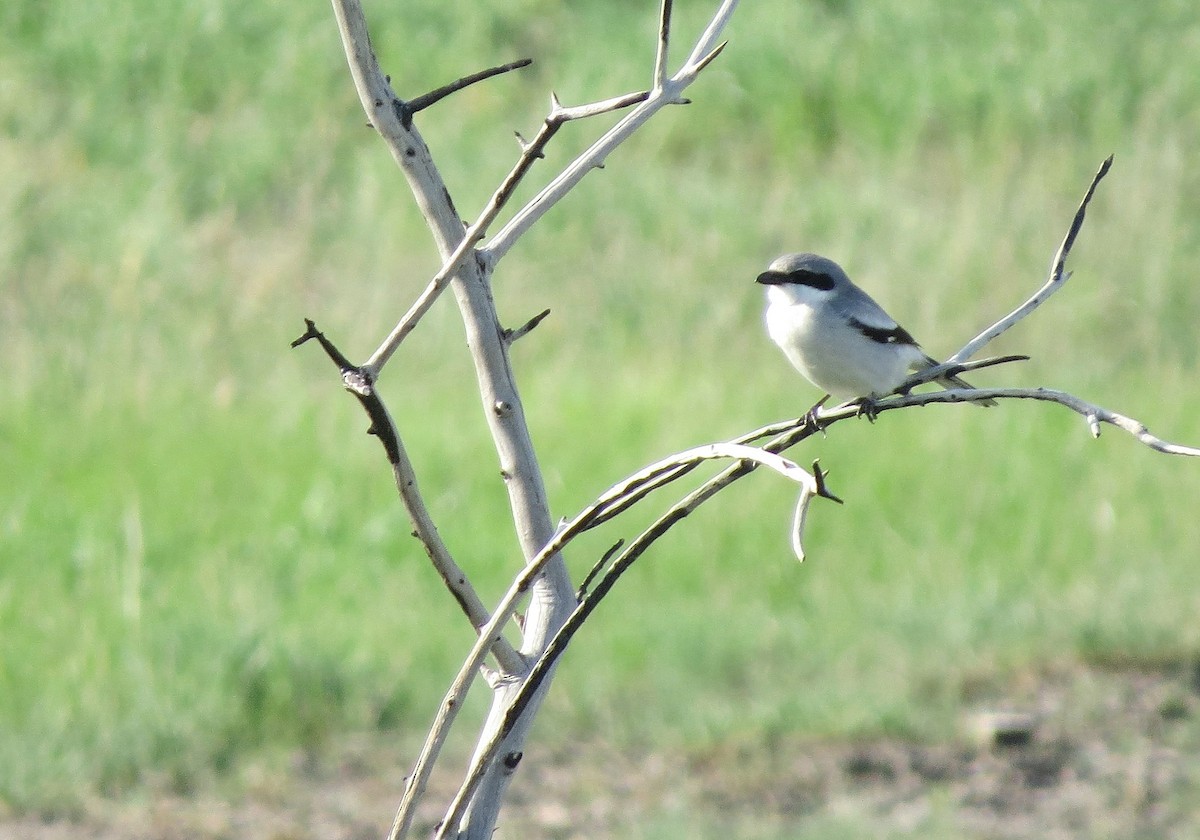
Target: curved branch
(452, 701)
(1058, 276)
(746, 460)
(788, 433)
(1092, 413)
(424, 529)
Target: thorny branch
(393, 118)
(383, 427)
(784, 435)
(1058, 276)
(457, 247)
(745, 458)
(531, 152)
(420, 103)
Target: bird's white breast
(832, 354)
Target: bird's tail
(949, 382)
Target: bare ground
(1099, 753)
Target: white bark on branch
(552, 595)
(746, 459)
(555, 612)
(1058, 276)
(531, 152)
(1092, 413)
(669, 92)
(550, 586)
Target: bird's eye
(815, 279)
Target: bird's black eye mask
(801, 276)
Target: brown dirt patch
(1106, 753)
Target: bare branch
(670, 92)
(423, 101)
(424, 529)
(510, 432)
(1093, 414)
(1058, 276)
(451, 703)
(456, 242)
(664, 37)
(708, 41)
(789, 433)
(531, 151)
(935, 372)
(746, 460)
(598, 567)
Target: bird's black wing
(894, 334)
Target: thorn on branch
(822, 488)
(328, 346)
(406, 110)
(360, 382)
(527, 147)
(708, 59)
(512, 335)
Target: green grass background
(202, 561)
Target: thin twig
(420, 103)
(1092, 413)
(424, 529)
(598, 567)
(669, 93)
(531, 152)
(664, 38)
(1058, 276)
(935, 372)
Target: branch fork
(467, 266)
(555, 611)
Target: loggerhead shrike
(835, 334)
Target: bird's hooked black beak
(773, 278)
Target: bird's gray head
(812, 270)
(803, 277)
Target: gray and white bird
(835, 334)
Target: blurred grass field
(202, 561)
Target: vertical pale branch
(552, 594)
(502, 405)
(664, 40)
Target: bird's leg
(866, 408)
(810, 416)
